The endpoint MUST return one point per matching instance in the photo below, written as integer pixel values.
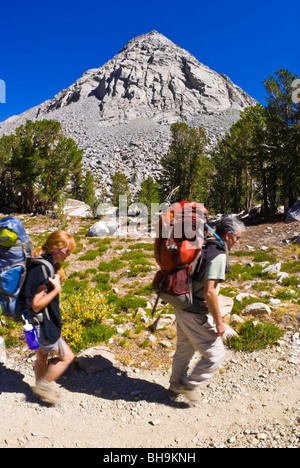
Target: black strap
(43, 263)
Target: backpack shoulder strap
(211, 249)
(43, 263)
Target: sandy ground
(254, 401)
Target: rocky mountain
(120, 113)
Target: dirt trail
(254, 401)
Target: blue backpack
(15, 250)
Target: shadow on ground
(109, 384)
(115, 384)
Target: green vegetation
(102, 246)
(126, 303)
(186, 164)
(113, 265)
(257, 161)
(120, 187)
(148, 194)
(291, 281)
(247, 272)
(291, 267)
(11, 330)
(254, 337)
(259, 158)
(83, 313)
(102, 281)
(264, 257)
(263, 286)
(239, 306)
(92, 310)
(36, 165)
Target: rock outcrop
(120, 113)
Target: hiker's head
(59, 244)
(230, 230)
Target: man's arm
(211, 298)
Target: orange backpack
(178, 244)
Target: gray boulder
(258, 308)
(98, 229)
(76, 208)
(102, 228)
(95, 359)
(294, 213)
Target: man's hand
(221, 329)
(211, 298)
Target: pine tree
(120, 187)
(183, 165)
(261, 153)
(88, 189)
(6, 189)
(148, 194)
(282, 115)
(40, 161)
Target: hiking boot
(177, 389)
(46, 391)
(173, 396)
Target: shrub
(102, 280)
(12, 331)
(286, 294)
(247, 272)
(241, 253)
(72, 286)
(136, 270)
(144, 290)
(239, 306)
(264, 257)
(291, 267)
(92, 254)
(263, 286)
(113, 265)
(82, 315)
(138, 263)
(142, 245)
(291, 281)
(126, 303)
(253, 337)
(78, 274)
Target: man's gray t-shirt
(215, 271)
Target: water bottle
(30, 335)
(2, 351)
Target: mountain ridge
(120, 113)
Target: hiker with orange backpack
(191, 269)
(200, 327)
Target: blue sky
(46, 46)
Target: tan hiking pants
(193, 336)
